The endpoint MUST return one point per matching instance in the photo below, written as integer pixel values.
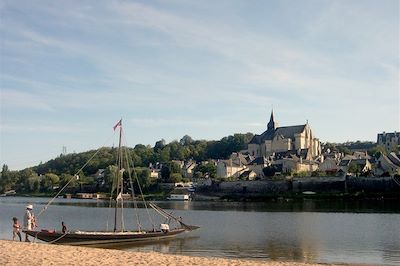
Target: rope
(167, 215)
(138, 183)
(396, 181)
(70, 180)
(55, 240)
(133, 196)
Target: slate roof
(259, 161)
(241, 159)
(394, 158)
(285, 132)
(360, 162)
(289, 132)
(344, 162)
(246, 173)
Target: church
(296, 139)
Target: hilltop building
(389, 140)
(298, 139)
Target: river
(323, 231)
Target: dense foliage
(56, 172)
(349, 147)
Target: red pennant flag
(118, 124)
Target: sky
(69, 70)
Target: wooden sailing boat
(118, 235)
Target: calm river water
(309, 230)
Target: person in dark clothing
(64, 228)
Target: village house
(295, 164)
(387, 165)
(155, 170)
(329, 165)
(188, 168)
(234, 166)
(258, 164)
(228, 168)
(248, 175)
(329, 162)
(360, 159)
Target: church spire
(271, 123)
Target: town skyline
(70, 71)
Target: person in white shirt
(29, 220)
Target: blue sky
(71, 69)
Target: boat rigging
(119, 234)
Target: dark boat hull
(102, 238)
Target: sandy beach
(21, 253)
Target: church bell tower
(272, 125)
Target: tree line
(46, 177)
(56, 172)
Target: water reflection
(292, 251)
(171, 245)
(289, 205)
(336, 231)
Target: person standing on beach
(16, 228)
(29, 220)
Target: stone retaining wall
(315, 184)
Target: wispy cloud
(41, 128)
(217, 67)
(18, 99)
(194, 122)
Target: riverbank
(255, 197)
(21, 253)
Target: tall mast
(119, 181)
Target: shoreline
(22, 253)
(259, 197)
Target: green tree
(174, 167)
(177, 151)
(301, 174)
(164, 155)
(377, 151)
(27, 178)
(168, 169)
(165, 173)
(159, 145)
(8, 179)
(32, 183)
(110, 175)
(269, 171)
(186, 140)
(65, 178)
(354, 168)
(48, 182)
(204, 170)
(143, 175)
(175, 178)
(318, 173)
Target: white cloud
(247, 67)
